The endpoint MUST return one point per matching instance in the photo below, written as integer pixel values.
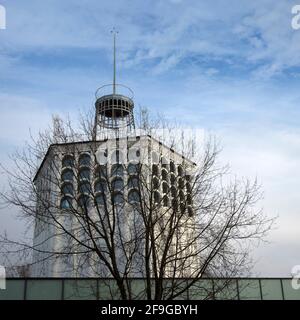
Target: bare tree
(168, 223)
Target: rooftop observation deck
(114, 106)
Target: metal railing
(107, 89)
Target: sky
(230, 67)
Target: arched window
(85, 160)
(165, 201)
(117, 199)
(189, 199)
(84, 201)
(175, 204)
(84, 174)
(85, 187)
(117, 184)
(164, 175)
(101, 171)
(181, 183)
(67, 189)
(133, 168)
(67, 175)
(155, 171)
(172, 166)
(100, 199)
(101, 186)
(173, 179)
(188, 187)
(117, 170)
(133, 182)
(133, 196)
(68, 161)
(155, 182)
(181, 196)
(182, 207)
(156, 197)
(165, 187)
(180, 171)
(66, 203)
(173, 192)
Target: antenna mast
(114, 32)
(114, 111)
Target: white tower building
(90, 176)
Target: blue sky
(230, 67)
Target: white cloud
(163, 32)
(166, 64)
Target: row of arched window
(170, 180)
(83, 160)
(84, 185)
(170, 190)
(67, 178)
(176, 190)
(118, 169)
(101, 171)
(169, 168)
(84, 201)
(100, 186)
